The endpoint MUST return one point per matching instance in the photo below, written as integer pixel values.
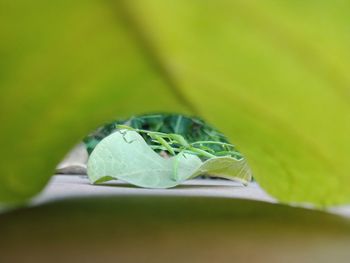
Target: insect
(174, 136)
(171, 135)
(182, 130)
(177, 145)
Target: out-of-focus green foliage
(272, 73)
(66, 67)
(193, 129)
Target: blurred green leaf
(172, 229)
(271, 74)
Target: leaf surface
(271, 75)
(126, 156)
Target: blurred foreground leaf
(271, 74)
(172, 229)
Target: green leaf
(272, 75)
(172, 229)
(125, 155)
(128, 157)
(226, 167)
